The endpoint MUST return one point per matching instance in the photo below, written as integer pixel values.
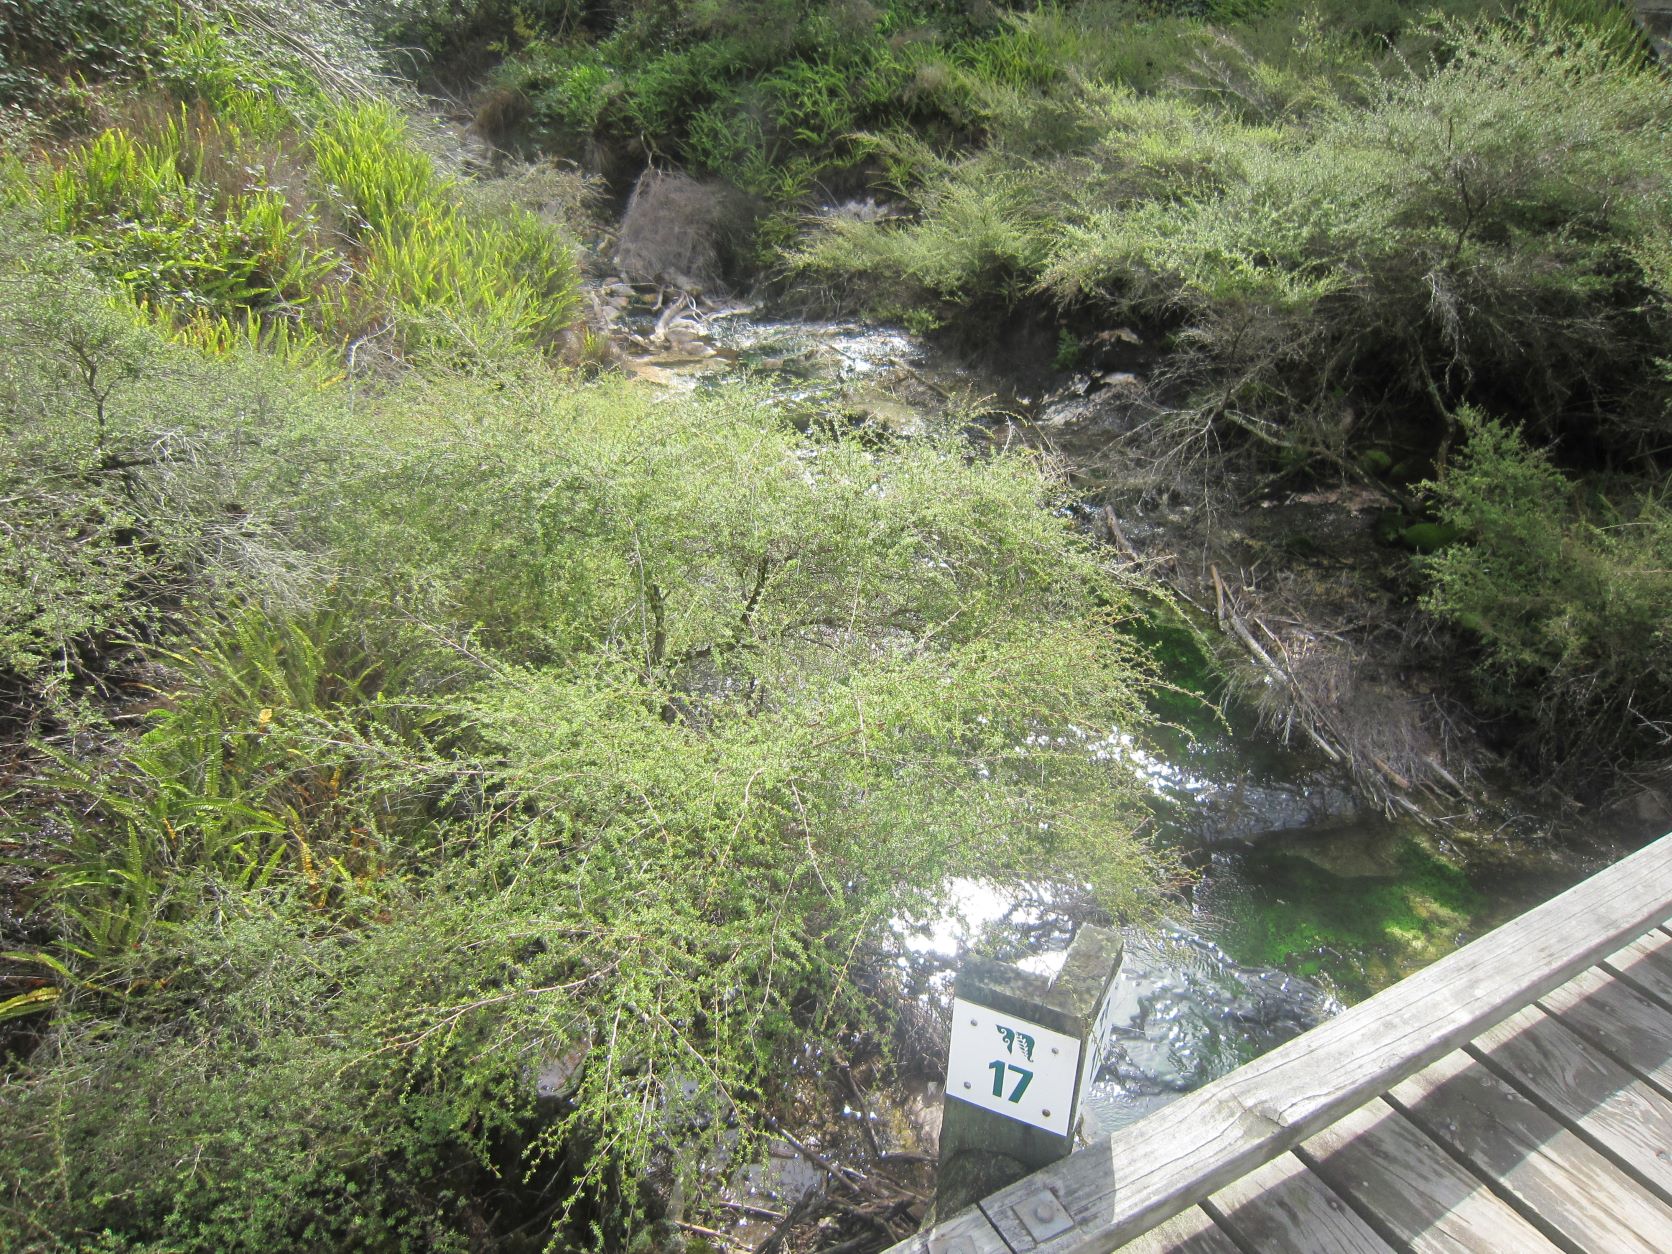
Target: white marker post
(1012, 1066)
(1022, 1054)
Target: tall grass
(1562, 585)
(248, 776)
(192, 212)
(348, 234)
(366, 164)
(448, 283)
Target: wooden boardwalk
(1514, 1096)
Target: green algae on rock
(1360, 908)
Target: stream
(1307, 898)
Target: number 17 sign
(1012, 1067)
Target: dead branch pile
(1337, 689)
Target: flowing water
(1306, 900)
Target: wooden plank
(1598, 1098)
(1559, 1183)
(1283, 1206)
(1177, 1156)
(1647, 963)
(1618, 1020)
(1412, 1191)
(1193, 1232)
(967, 1232)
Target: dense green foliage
(453, 796)
(490, 720)
(1324, 249)
(44, 42)
(56, 56)
(1345, 250)
(225, 219)
(781, 98)
(1567, 589)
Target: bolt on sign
(1012, 1067)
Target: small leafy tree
(1566, 591)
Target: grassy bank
(447, 797)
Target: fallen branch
(760, 1212)
(1374, 774)
(855, 1181)
(712, 1235)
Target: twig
(864, 1111)
(1311, 716)
(713, 1235)
(855, 1181)
(758, 1211)
(1392, 774)
(801, 1210)
(1434, 765)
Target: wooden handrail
(1124, 1185)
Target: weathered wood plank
(1193, 1232)
(967, 1232)
(1411, 1190)
(1618, 1020)
(1591, 1093)
(1159, 1166)
(1283, 1206)
(1647, 963)
(1558, 1182)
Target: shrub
(557, 722)
(1566, 590)
(1466, 231)
(1461, 233)
(44, 42)
(125, 478)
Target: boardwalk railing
(1122, 1186)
